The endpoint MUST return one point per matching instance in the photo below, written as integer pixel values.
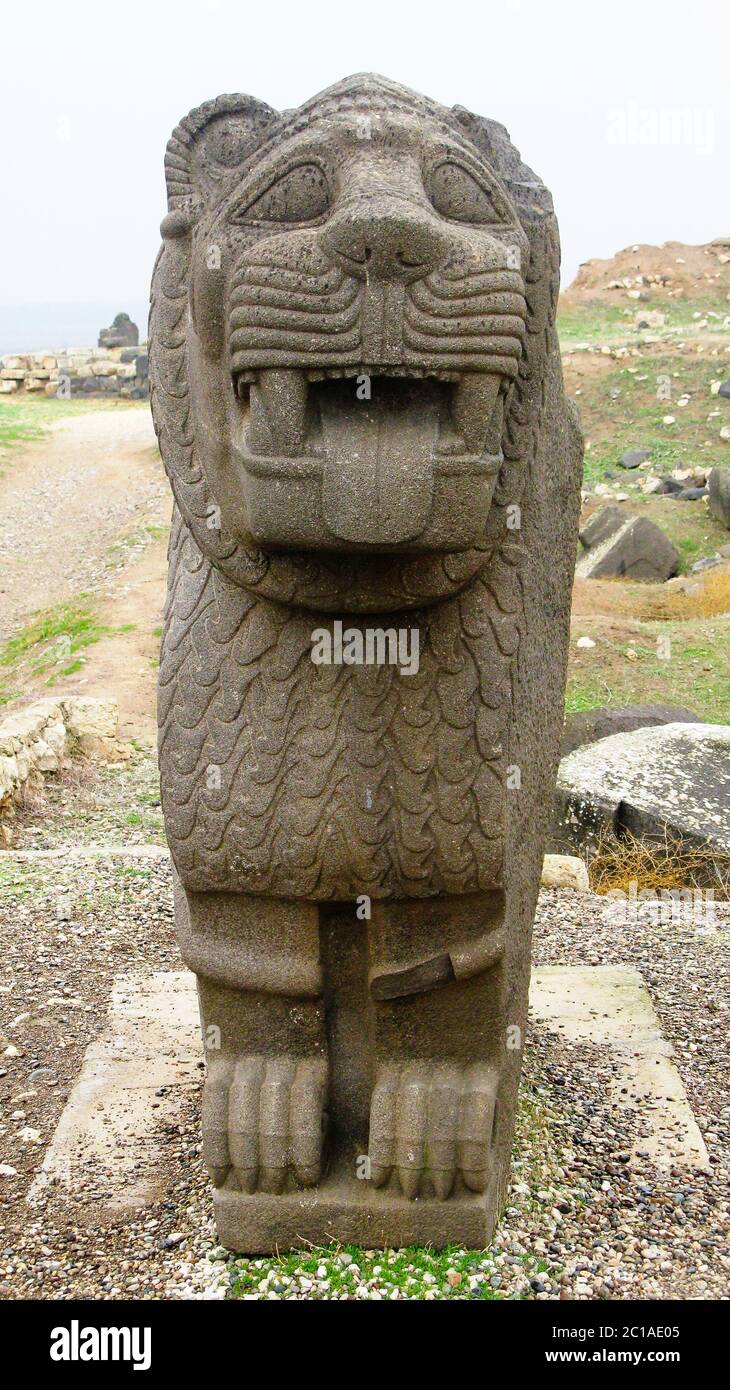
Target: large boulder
(619, 546)
(588, 725)
(719, 490)
(673, 779)
(633, 458)
(600, 524)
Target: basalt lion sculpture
(358, 396)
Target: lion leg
(436, 984)
(259, 985)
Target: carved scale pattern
(289, 779)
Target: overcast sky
(622, 109)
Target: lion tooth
(496, 423)
(258, 431)
(473, 403)
(281, 394)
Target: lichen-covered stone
(672, 780)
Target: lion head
(350, 320)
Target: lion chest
(283, 777)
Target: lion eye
(300, 195)
(455, 193)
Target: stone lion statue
(357, 392)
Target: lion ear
(214, 139)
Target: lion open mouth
(381, 440)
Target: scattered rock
(670, 487)
(632, 546)
(600, 524)
(633, 457)
(29, 1135)
(564, 871)
(724, 389)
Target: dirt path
(64, 501)
(125, 665)
(86, 510)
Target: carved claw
(430, 1123)
(263, 1117)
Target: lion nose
(395, 242)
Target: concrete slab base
(108, 1147)
(610, 1006)
(109, 1137)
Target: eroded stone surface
(675, 777)
(39, 738)
(360, 430)
(564, 871)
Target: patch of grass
(695, 673)
(330, 1271)
(582, 695)
(595, 322)
(134, 540)
(592, 323)
(28, 418)
(52, 644)
(73, 623)
(619, 410)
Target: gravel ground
(93, 803)
(581, 1222)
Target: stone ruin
(357, 391)
(123, 333)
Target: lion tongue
(377, 480)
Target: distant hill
(671, 271)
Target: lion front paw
(432, 1122)
(263, 1117)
